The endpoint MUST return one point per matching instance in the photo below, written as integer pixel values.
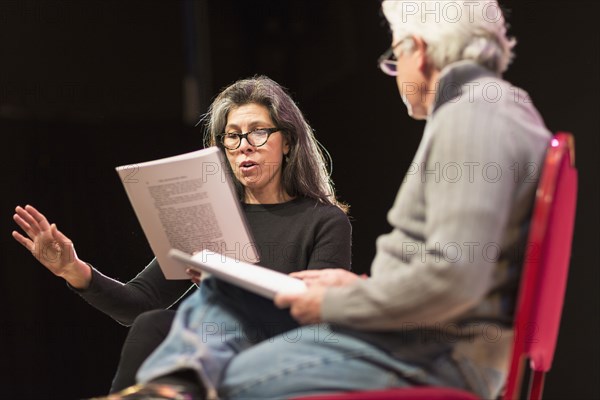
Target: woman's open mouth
(248, 167)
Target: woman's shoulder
(318, 210)
(318, 206)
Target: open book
(257, 279)
(188, 202)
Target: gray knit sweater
(459, 222)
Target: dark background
(89, 85)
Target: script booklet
(257, 279)
(188, 202)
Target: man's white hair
(454, 30)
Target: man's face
(411, 81)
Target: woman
(290, 206)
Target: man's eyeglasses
(256, 138)
(388, 62)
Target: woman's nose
(245, 146)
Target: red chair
(541, 291)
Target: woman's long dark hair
(305, 170)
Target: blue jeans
(242, 363)
(204, 337)
(314, 359)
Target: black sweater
(292, 236)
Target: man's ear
(420, 49)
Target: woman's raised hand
(50, 247)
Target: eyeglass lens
(255, 138)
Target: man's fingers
(312, 281)
(307, 274)
(284, 300)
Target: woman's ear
(286, 146)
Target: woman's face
(257, 168)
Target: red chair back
(546, 267)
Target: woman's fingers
(31, 220)
(58, 235)
(39, 217)
(26, 221)
(28, 244)
(194, 275)
(25, 226)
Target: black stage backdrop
(86, 86)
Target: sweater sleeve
(445, 266)
(123, 302)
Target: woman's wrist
(79, 276)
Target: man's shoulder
(488, 100)
(488, 91)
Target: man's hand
(304, 308)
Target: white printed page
(186, 202)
